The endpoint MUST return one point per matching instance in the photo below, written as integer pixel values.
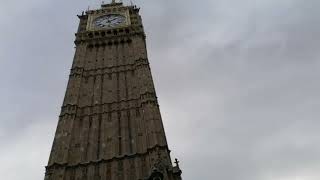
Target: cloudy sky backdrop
(238, 84)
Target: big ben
(110, 126)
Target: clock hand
(116, 21)
(111, 19)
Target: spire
(111, 4)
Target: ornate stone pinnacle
(177, 162)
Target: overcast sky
(237, 81)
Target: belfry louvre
(110, 127)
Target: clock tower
(110, 127)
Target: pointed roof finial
(177, 162)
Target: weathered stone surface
(110, 126)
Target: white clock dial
(109, 21)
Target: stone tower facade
(110, 126)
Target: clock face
(109, 21)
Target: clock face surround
(109, 21)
